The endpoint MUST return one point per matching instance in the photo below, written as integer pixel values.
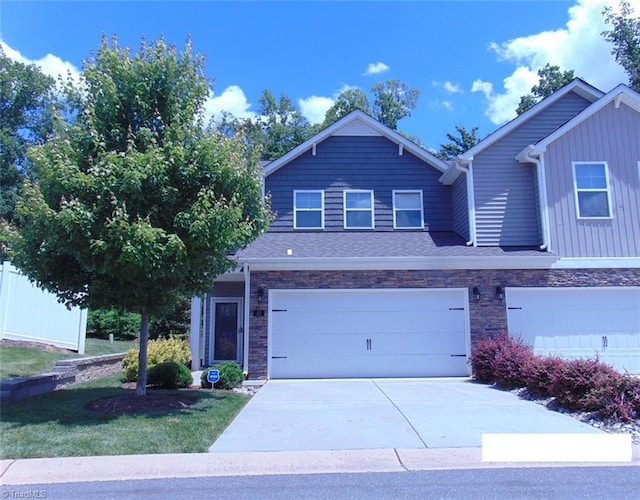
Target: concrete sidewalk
(132, 467)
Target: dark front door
(227, 329)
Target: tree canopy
(136, 203)
(458, 144)
(625, 37)
(551, 79)
(26, 104)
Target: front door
(226, 329)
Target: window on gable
(407, 210)
(593, 197)
(308, 209)
(358, 209)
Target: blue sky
(471, 60)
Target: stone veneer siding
(487, 317)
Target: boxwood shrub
(170, 375)
(231, 375)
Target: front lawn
(58, 424)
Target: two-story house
(384, 261)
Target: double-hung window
(358, 209)
(407, 209)
(308, 209)
(593, 196)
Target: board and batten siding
(506, 205)
(359, 162)
(611, 135)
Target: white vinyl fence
(31, 314)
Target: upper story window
(358, 209)
(593, 196)
(407, 210)
(308, 209)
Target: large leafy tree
(458, 144)
(26, 103)
(393, 100)
(551, 79)
(136, 203)
(625, 37)
(347, 101)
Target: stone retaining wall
(65, 373)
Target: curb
(133, 467)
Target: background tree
(26, 102)
(458, 143)
(625, 37)
(347, 101)
(551, 79)
(136, 203)
(393, 100)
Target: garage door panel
(579, 322)
(367, 333)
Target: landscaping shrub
(482, 356)
(170, 375)
(158, 351)
(104, 322)
(230, 375)
(575, 378)
(539, 372)
(510, 362)
(616, 398)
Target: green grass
(58, 425)
(24, 361)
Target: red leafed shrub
(482, 356)
(617, 398)
(539, 372)
(574, 379)
(510, 363)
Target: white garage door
(368, 333)
(579, 322)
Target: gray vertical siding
(460, 207)
(504, 190)
(365, 162)
(611, 135)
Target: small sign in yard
(213, 376)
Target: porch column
(196, 321)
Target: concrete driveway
(297, 415)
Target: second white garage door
(579, 322)
(368, 333)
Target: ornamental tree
(135, 202)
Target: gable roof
(357, 123)
(577, 86)
(620, 94)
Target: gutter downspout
(531, 155)
(460, 165)
(245, 328)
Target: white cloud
(452, 88)
(314, 108)
(579, 46)
(376, 68)
(50, 65)
(232, 100)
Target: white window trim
(395, 210)
(296, 209)
(576, 190)
(345, 209)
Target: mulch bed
(130, 404)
